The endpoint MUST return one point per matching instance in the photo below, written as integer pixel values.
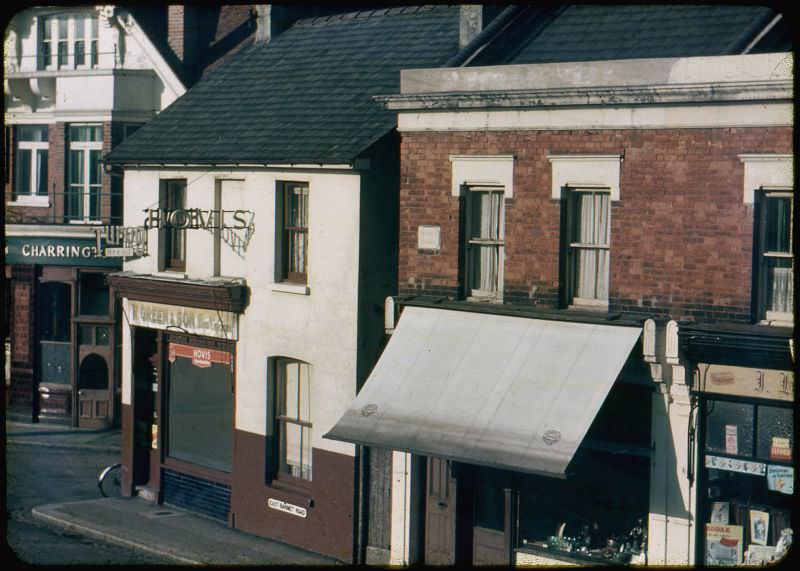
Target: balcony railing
(65, 208)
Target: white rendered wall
(318, 327)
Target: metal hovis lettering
(213, 323)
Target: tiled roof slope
(306, 97)
(599, 32)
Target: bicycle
(109, 480)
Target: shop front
(509, 433)
(65, 344)
(178, 419)
(743, 390)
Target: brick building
(595, 293)
(79, 80)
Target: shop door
(440, 514)
(491, 531)
(93, 394)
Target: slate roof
(585, 32)
(305, 97)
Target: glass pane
(592, 218)
(779, 218)
(292, 390)
(780, 284)
(32, 133)
(291, 446)
(485, 215)
(93, 26)
(102, 336)
(775, 432)
(22, 174)
(484, 267)
(46, 24)
(79, 26)
(62, 52)
(591, 271)
(76, 175)
(200, 414)
(80, 57)
(490, 506)
(85, 133)
(729, 428)
(63, 27)
(85, 335)
(94, 296)
(41, 172)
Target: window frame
(277, 468)
(61, 38)
(172, 239)
(38, 150)
(90, 154)
(475, 244)
(572, 246)
(286, 271)
(761, 288)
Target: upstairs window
(775, 257)
(84, 173)
(588, 231)
(30, 161)
(291, 261)
(68, 42)
(172, 196)
(484, 241)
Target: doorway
(145, 379)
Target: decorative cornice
(745, 91)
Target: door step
(146, 493)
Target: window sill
(485, 297)
(172, 274)
(589, 305)
(288, 287)
(771, 321)
(34, 201)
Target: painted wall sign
(209, 322)
(56, 252)
(201, 357)
(736, 465)
(282, 506)
(745, 381)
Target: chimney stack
(470, 23)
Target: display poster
(723, 544)
(780, 479)
(781, 449)
(731, 440)
(736, 465)
(759, 527)
(720, 512)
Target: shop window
(484, 245)
(94, 296)
(587, 248)
(54, 308)
(68, 41)
(199, 421)
(748, 481)
(775, 259)
(291, 256)
(84, 173)
(293, 428)
(172, 196)
(30, 162)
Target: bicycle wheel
(109, 480)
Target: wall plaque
(282, 506)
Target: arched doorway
(93, 393)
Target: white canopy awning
(494, 390)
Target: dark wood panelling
(223, 297)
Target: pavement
(141, 525)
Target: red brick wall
(22, 286)
(681, 237)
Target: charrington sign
(55, 251)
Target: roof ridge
(362, 15)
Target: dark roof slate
(584, 32)
(306, 97)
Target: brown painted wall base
(328, 529)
